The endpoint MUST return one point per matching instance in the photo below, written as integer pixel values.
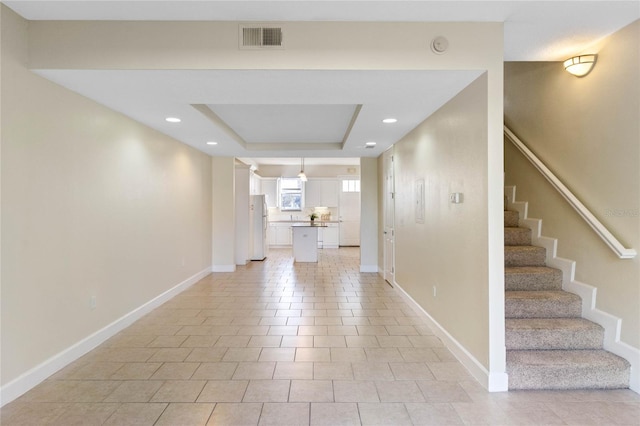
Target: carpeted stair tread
(511, 218)
(542, 304)
(524, 256)
(549, 345)
(567, 369)
(517, 236)
(552, 333)
(532, 278)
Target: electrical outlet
(92, 302)
(434, 291)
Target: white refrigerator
(258, 227)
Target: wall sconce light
(580, 65)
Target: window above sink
(291, 190)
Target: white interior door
(389, 217)
(350, 212)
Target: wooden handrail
(594, 223)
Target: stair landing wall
(582, 129)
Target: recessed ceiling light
(173, 119)
(370, 144)
(212, 143)
(389, 120)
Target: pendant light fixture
(301, 175)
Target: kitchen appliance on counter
(258, 227)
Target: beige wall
(223, 214)
(94, 204)
(586, 131)
(242, 202)
(214, 45)
(449, 250)
(369, 215)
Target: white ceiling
(149, 96)
(287, 123)
(534, 31)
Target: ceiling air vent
(252, 37)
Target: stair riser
(511, 218)
(531, 256)
(553, 339)
(527, 308)
(549, 345)
(567, 369)
(517, 237)
(567, 378)
(533, 282)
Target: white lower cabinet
(280, 234)
(271, 235)
(331, 236)
(283, 235)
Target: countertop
(308, 225)
(304, 221)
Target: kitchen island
(280, 234)
(305, 241)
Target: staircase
(549, 345)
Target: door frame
(341, 208)
(388, 217)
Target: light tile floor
(278, 343)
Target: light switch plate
(456, 197)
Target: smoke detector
(439, 45)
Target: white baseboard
(223, 268)
(39, 373)
(612, 328)
(492, 381)
(368, 268)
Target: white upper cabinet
(321, 192)
(330, 193)
(312, 193)
(256, 184)
(270, 189)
